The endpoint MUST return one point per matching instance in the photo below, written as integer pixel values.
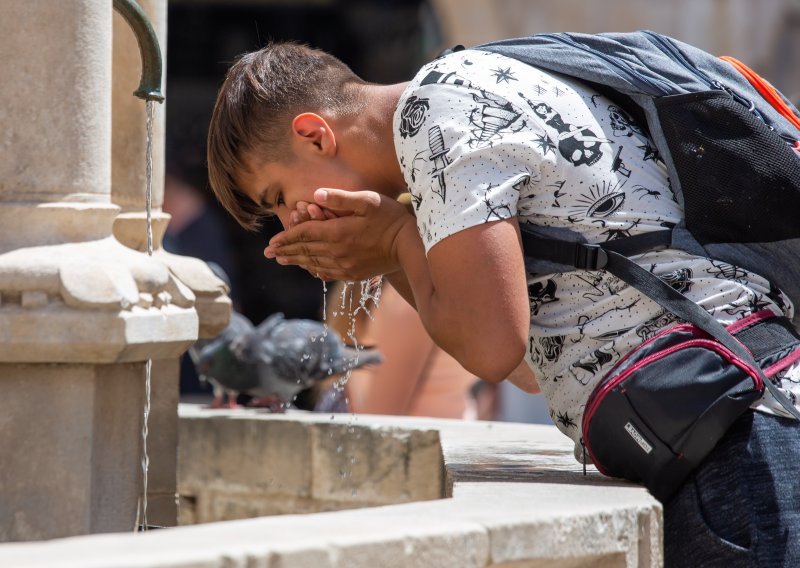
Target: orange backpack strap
(767, 91)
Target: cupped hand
(309, 212)
(343, 235)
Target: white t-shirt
(482, 137)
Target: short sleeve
(465, 155)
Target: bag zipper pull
(584, 456)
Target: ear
(314, 134)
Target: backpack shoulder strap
(613, 257)
(585, 256)
(656, 289)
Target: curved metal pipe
(150, 84)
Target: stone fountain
(82, 310)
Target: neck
(372, 139)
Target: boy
(482, 143)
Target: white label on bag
(638, 438)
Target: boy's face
(278, 186)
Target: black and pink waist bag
(657, 414)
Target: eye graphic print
(606, 205)
(602, 201)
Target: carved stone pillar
(128, 188)
(79, 312)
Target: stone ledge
(59, 334)
(517, 499)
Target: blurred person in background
(416, 378)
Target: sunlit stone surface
(512, 496)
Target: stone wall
(515, 498)
(232, 466)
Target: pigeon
(213, 358)
(277, 359)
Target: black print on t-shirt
(601, 284)
(586, 368)
(540, 294)
(503, 75)
(585, 320)
(413, 115)
(680, 279)
(618, 166)
(578, 145)
(655, 324)
(545, 144)
(727, 271)
(552, 346)
(495, 210)
(655, 194)
(492, 119)
(602, 200)
(565, 420)
(650, 152)
(617, 232)
(622, 123)
(775, 295)
(557, 194)
(452, 78)
(439, 159)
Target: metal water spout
(150, 84)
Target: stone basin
(418, 493)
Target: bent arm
(471, 294)
(470, 291)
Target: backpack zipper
(670, 50)
(645, 84)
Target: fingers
(317, 213)
(303, 234)
(309, 212)
(347, 202)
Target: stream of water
(148, 368)
(369, 295)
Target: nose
(284, 217)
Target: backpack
(731, 156)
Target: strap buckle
(590, 257)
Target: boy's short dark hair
(262, 92)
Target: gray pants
(741, 508)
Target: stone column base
(71, 439)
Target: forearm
(399, 280)
(469, 289)
(485, 342)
